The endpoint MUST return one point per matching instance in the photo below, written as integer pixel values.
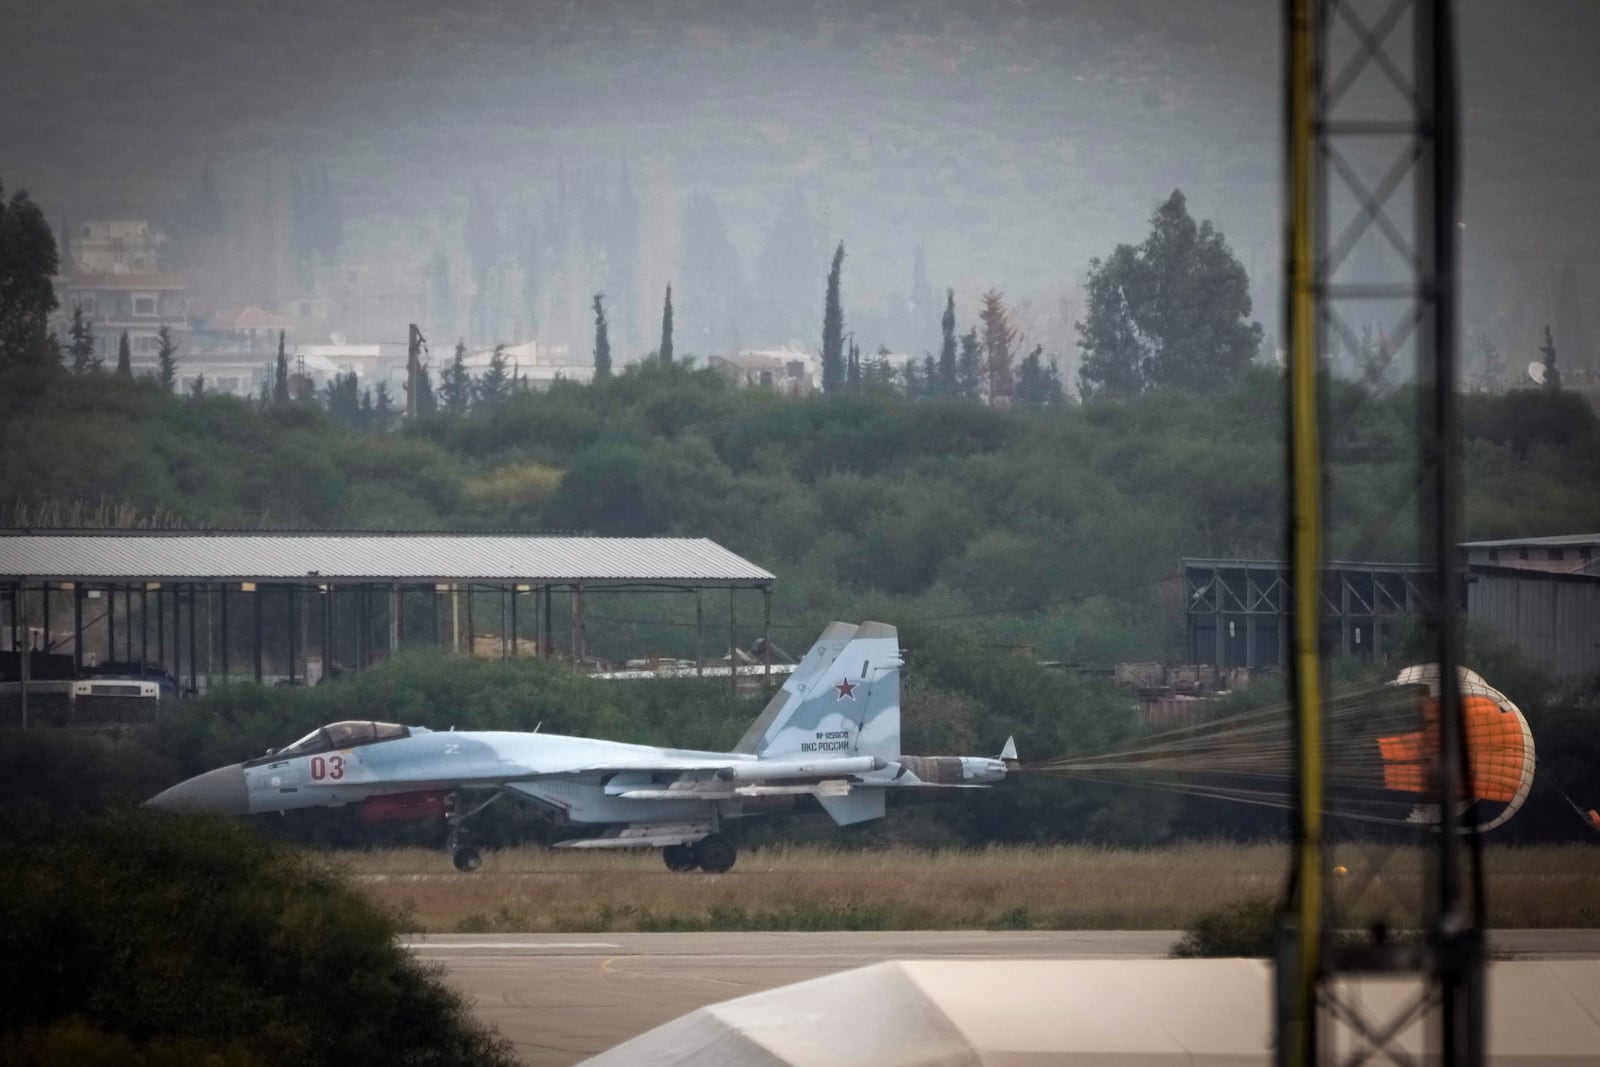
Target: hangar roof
(263, 556)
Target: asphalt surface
(563, 997)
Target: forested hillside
(1052, 528)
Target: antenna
(1538, 372)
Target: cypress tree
(382, 408)
(833, 355)
(666, 328)
(198, 389)
(166, 359)
(969, 366)
(280, 375)
(124, 357)
(947, 348)
(81, 343)
(602, 343)
(852, 372)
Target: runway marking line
(608, 967)
(451, 946)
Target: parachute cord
(1587, 815)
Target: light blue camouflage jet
(832, 732)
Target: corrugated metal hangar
(185, 605)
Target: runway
(562, 997)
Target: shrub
(197, 941)
(1247, 927)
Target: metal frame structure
(1330, 46)
(1237, 612)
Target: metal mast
(1373, 81)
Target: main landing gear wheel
(715, 854)
(466, 859)
(678, 857)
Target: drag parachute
(1378, 746)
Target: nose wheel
(459, 844)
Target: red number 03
(331, 768)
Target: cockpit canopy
(344, 735)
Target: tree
(280, 376)
(602, 343)
(833, 368)
(80, 343)
(969, 366)
(911, 376)
(382, 408)
(494, 385)
(1170, 314)
(28, 260)
(665, 352)
(998, 338)
(426, 404)
(931, 385)
(852, 370)
(455, 384)
(198, 389)
(1552, 375)
(124, 357)
(1038, 381)
(343, 398)
(947, 347)
(166, 358)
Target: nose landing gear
(459, 844)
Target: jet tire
(715, 854)
(678, 857)
(466, 859)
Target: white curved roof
(1085, 1013)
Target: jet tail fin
(1008, 753)
(846, 702)
(814, 662)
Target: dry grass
(1061, 887)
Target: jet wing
(490, 775)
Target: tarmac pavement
(563, 997)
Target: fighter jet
(831, 732)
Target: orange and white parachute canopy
(1378, 746)
(1500, 751)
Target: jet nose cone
(218, 792)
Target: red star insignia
(847, 690)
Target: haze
(726, 148)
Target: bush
(1247, 927)
(136, 937)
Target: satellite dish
(1536, 371)
(337, 337)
